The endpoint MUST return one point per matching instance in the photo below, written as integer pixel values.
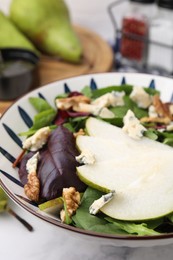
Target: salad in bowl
(93, 155)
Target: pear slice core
(140, 172)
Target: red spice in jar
(134, 32)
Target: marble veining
(49, 242)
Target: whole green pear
(47, 23)
(11, 37)
(3, 200)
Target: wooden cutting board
(97, 57)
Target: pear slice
(52, 207)
(140, 172)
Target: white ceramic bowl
(17, 119)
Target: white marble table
(49, 242)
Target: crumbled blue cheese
(88, 108)
(132, 126)
(152, 112)
(31, 165)
(36, 141)
(106, 113)
(169, 127)
(95, 110)
(98, 204)
(113, 99)
(140, 97)
(86, 157)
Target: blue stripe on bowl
(152, 84)
(7, 155)
(15, 138)
(123, 81)
(11, 178)
(41, 96)
(93, 84)
(26, 118)
(66, 88)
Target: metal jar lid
(144, 1)
(165, 4)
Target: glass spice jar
(135, 29)
(160, 58)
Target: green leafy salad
(101, 159)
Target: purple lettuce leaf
(57, 165)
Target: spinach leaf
(168, 141)
(152, 91)
(140, 112)
(69, 127)
(151, 133)
(39, 104)
(99, 92)
(170, 217)
(78, 122)
(119, 111)
(44, 118)
(83, 219)
(128, 102)
(155, 223)
(33, 131)
(117, 121)
(86, 91)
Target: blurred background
(84, 13)
(120, 35)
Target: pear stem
(24, 222)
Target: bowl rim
(55, 222)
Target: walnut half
(32, 188)
(72, 199)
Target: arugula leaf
(132, 228)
